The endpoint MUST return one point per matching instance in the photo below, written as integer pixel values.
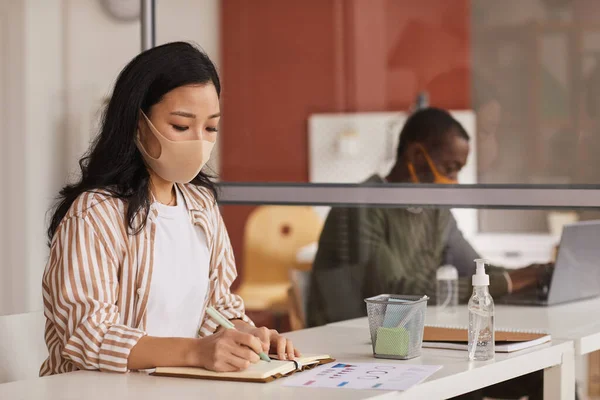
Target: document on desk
(392, 376)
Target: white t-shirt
(180, 274)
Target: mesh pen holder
(396, 323)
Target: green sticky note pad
(392, 342)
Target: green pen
(227, 324)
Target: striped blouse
(97, 281)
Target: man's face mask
(179, 161)
(437, 176)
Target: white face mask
(179, 161)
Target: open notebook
(456, 338)
(262, 371)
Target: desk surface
(573, 321)
(346, 344)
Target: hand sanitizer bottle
(481, 317)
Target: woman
(138, 246)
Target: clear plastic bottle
(447, 288)
(481, 317)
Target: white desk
(576, 321)
(346, 344)
(573, 321)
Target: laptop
(576, 273)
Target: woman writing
(138, 247)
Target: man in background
(366, 251)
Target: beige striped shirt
(97, 281)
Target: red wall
(284, 60)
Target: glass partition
(328, 104)
(352, 252)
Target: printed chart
(363, 376)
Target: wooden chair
(272, 237)
(22, 346)
(298, 297)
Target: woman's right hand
(228, 350)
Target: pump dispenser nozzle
(481, 278)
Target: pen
(227, 324)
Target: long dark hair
(113, 162)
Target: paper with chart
(363, 376)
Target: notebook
(261, 372)
(507, 340)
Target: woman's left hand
(273, 342)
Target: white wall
(59, 58)
(195, 20)
(30, 171)
(43, 111)
(12, 232)
(97, 47)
